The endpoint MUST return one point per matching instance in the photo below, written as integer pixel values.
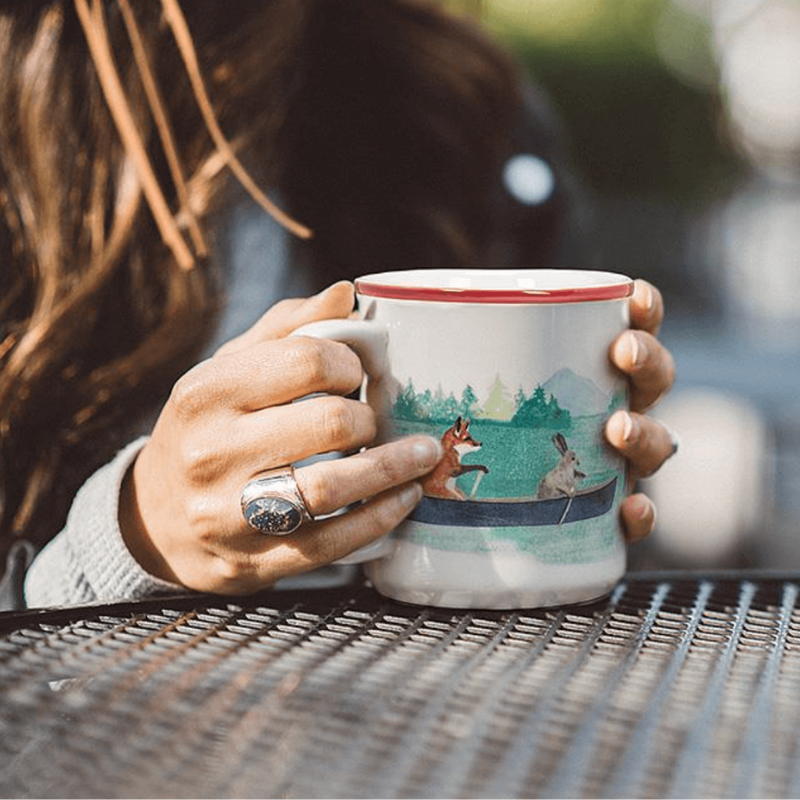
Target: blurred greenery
(635, 123)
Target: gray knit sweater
(88, 561)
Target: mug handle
(369, 341)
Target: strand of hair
(183, 38)
(93, 24)
(163, 126)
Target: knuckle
(350, 364)
(232, 573)
(389, 470)
(326, 364)
(309, 357)
(200, 463)
(337, 422)
(201, 516)
(189, 396)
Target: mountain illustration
(577, 395)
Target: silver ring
(272, 503)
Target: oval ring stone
(275, 515)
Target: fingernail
(620, 426)
(648, 296)
(628, 351)
(627, 426)
(427, 451)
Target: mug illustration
(540, 459)
(562, 479)
(456, 442)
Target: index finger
(647, 307)
(269, 374)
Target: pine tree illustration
(499, 404)
(469, 406)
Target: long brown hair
(378, 121)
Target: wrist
(134, 532)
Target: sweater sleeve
(88, 561)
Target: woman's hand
(231, 418)
(646, 443)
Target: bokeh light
(760, 64)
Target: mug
(510, 370)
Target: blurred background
(683, 119)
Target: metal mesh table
(676, 685)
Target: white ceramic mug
(510, 369)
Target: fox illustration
(456, 442)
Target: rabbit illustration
(561, 480)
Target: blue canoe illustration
(507, 512)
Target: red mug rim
(421, 285)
